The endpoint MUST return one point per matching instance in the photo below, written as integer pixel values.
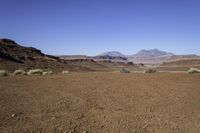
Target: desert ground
(100, 102)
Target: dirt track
(101, 103)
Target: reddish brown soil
(100, 103)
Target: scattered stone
(13, 115)
(85, 131)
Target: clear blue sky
(94, 26)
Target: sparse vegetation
(47, 72)
(35, 72)
(193, 70)
(123, 70)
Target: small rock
(13, 115)
(53, 118)
(85, 131)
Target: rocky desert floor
(98, 102)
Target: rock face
(10, 50)
(14, 56)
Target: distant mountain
(152, 56)
(152, 53)
(112, 54)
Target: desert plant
(35, 72)
(123, 70)
(44, 73)
(65, 72)
(19, 72)
(47, 72)
(150, 71)
(193, 70)
(50, 72)
(4, 73)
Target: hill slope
(14, 56)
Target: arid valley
(99, 66)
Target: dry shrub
(47, 73)
(65, 72)
(4, 73)
(19, 72)
(35, 72)
(193, 70)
